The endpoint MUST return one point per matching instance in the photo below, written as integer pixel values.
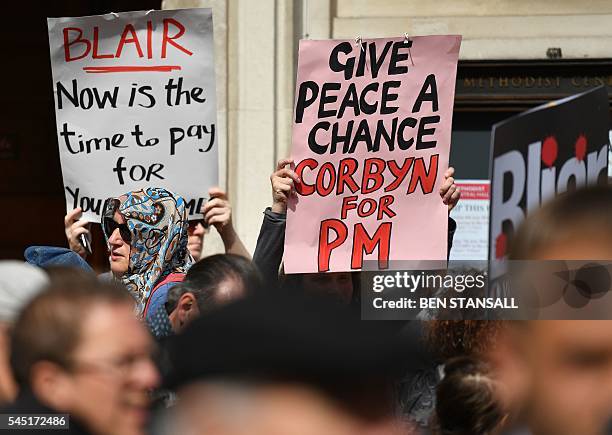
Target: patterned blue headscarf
(158, 225)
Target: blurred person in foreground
(19, 283)
(285, 363)
(557, 374)
(78, 349)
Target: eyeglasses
(194, 224)
(119, 367)
(110, 207)
(109, 225)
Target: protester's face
(120, 249)
(195, 242)
(569, 367)
(339, 284)
(560, 372)
(282, 409)
(8, 388)
(112, 372)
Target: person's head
(210, 283)
(146, 231)
(230, 407)
(558, 373)
(336, 284)
(454, 338)
(467, 402)
(573, 226)
(80, 350)
(287, 363)
(195, 243)
(67, 275)
(19, 283)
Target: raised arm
(270, 243)
(218, 212)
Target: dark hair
(68, 275)
(466, 403)
(205, 276)
(48, 328)
(453, 338)
(174, 294)
(584, 211)
(295, 282)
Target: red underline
(110, 69)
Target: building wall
(255, 55)
(255, 43)
(491, 29)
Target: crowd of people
(173, 342)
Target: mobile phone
(85, 241)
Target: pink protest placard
(371, 140)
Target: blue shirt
(159, 323)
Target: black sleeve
(270, 245)
(452, 226)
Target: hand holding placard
(449, 192)
(283, 181)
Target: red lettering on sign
(420, 175)
(78, 40)
(325, 245)
(125, 40)
(167, 39)
(363, 242)
(83, 43)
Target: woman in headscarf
(146, 231)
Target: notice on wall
(471, 239)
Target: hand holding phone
(77, 233)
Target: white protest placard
(135, 105)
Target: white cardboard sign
(135, 105)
